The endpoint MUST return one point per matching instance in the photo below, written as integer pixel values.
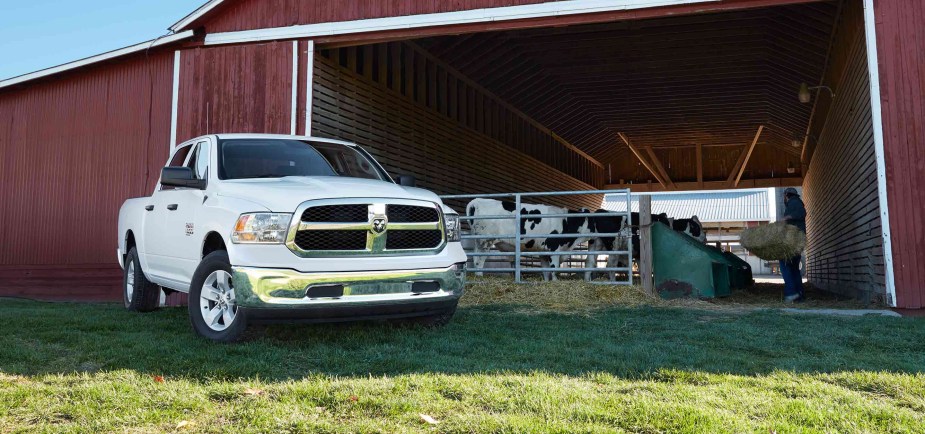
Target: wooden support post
(642, 160)
(699, 165)
(736, 174)
(645, 244)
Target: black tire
(233, 332)
(430, 321)
(145, 296)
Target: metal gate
(517, 216)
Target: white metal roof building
(755, 205)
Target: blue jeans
(793, 279)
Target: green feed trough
(684, 267)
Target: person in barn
(794, 214)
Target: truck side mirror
(181, 177)
(407, 181)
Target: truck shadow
(43, 338)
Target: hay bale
(774, 242)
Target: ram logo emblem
(190, 229)
(379, 225)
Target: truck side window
(179, 156)
(177, 161)
(199, 162)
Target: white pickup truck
(259, 228)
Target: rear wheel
(138, 294)
(213, 308)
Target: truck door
(171, 228)
(183, 209)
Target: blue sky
(37, 34)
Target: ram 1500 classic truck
(259, 228)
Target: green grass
(501, 366)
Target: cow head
(696, 228)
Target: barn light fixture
(790, 169)
(806, 92)
(796, 142)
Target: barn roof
(708, 206)
(137, 48)
(196, 14)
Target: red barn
(496, 95)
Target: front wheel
(213, 308)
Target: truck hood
(286, 194)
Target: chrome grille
(337, 213)
(412, 240)
(338, 227)
(412, 214)
(331, 240)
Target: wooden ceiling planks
(706, 79)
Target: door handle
(149, 208)
(173, 207)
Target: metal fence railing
(517, 237)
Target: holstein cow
(692, 227)
(534, 230)
(615, 224)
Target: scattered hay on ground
(774, 242)
(578, 295)
(560, 295)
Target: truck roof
(281, 137)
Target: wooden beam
(658, 166)
(700, 165)
(737, 172)
(643, 160)
(711, 185)
(645, 244)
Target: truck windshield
(277, 158)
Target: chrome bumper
(264, 288)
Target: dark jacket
(796, 213)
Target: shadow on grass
(40, 338)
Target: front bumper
(279, 294)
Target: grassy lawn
(540, 359)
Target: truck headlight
(452, 227)
(261, 228)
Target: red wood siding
(901, 52)
(245, 15)
(235, 89)
(259, 14)
(74, 148)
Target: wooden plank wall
(235, 89)
(408, 70)
(75, 147)
(845, 249)
(408, 137)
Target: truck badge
(379, 225)
(189, 229)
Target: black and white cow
(533, 230)
(690, 227)
(616, 224)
